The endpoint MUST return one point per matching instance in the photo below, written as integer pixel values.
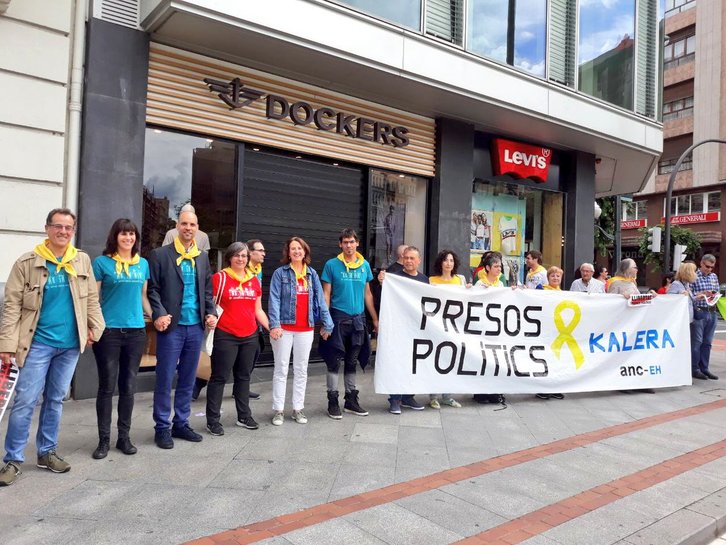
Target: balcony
(678, 123)
(679, 70)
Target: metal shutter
(563, 41)
(445, 20)
(646, 48)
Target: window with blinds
(445, 20)
(563, 41)
(646, 49)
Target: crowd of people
(58, 302)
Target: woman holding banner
(623, 282)
(681, 285)
(445, 268)
(489, 276)
(554, 279)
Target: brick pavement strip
(517, 530)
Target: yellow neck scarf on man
(359, 260)
(254, 269)
(189, 254)
(538, 270)
(249, 275)
(43, 251)
(124, 264)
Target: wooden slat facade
(178, 98)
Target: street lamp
(669, 196)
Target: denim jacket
(283, 298)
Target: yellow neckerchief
(455, 280)
(359, 260)
(43, 251)
(617, 279)
(124, 264)
(254, 269)
(484, 279)
(538, 270)
(302, 276)
(548, 287)
(249, 275)
(186, 254)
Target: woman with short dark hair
(122, 277)
(237, 291)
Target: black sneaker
(254, 395)
(102, 449)
(699, 375)
(215, 428)
(186, 433)
(248, 423)
(352, 405)
(333, 406)
(124, 445)
(163, 439)
(710, 375)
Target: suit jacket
(166, 286)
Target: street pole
(669, 196)
(617, 247)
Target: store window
(695, 203)
(510, 218)
(396, 215)
(401, 12)
(635, 210)
(180, 169)
(606, 51)
(522, 44)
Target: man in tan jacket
(50, 314)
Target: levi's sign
(520, 160)
(236, 95)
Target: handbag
(208, 344)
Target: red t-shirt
(238, 318)
(301, 310)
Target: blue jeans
(701, 338)
(176, 351)
(46, 368)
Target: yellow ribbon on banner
(565, 332)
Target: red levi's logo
(521, 160)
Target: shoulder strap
(220, 290)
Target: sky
(603, 24)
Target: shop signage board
(195, 93)
(633, 224)
(436, 339)
(707, 217)
(520, 160)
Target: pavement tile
(353, 479)
(333, 532)
(714, 506)
(451, 512)
(375, 433)
(675, 529)
(394, 524)
(28, 530)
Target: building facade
(462, 124)
(694, 95)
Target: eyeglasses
(241, 255)
(262, 250)
(61, 227)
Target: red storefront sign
(708, 217)
(520, 160)
(633, 224)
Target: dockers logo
(236, 94)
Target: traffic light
(679, 255)
(654, 239)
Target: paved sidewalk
(599, 468)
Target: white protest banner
(446, 339)
(8, 379)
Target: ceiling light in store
(335, 164)
(255, 149)
(401, 175)
(210, 140)
(298, 157)
(157, 131)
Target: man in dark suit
(180, 293)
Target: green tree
(679, 235)
(606, 222)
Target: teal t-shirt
(347, 286)
(57, 326)
(121, 294)
(190, 299)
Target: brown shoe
(53, 462)
(9, 473)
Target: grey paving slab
(714, 506)
(417, 462)
(375, 454)
(394, 524)
(353, 479)
(375, 433)
(333, 532)
(26, 530)
(414, 437)
(681, 527)
(451, 512)
(284, 501)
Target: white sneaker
(451, 402)
(434, 404)
(278, 419)
(299, 417)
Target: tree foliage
(679, 235)
(606, 223)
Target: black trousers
(118, 355)
(234, 355)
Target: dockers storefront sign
(191, 92)
(520, 160)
